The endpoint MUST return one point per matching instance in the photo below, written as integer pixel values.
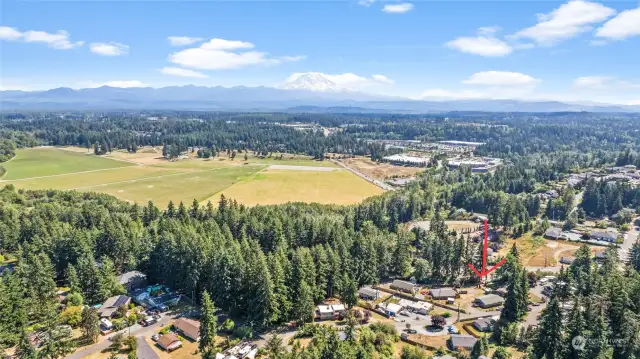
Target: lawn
(46, 161)
(281, 186)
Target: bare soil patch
(380, 171)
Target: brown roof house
(189, 328)
(169, 342)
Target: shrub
(446, 315)
(72, 315)
(165, 330)
(74, 299)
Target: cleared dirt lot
(380, 171)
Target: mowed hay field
(145, 176)
(274, 186)
(46, 161)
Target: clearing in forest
(146, 175)
(274, 186)
(50, 161)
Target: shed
(392, 309)
(324, 312)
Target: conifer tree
(549, 342)
(208, 324)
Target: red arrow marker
(486, 272)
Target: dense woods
(271, 264)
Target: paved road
(145, 351)
(380, 184)
(136, 330)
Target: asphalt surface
(630, 238)
(136, 330)
(145, 351)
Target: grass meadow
(147, 176)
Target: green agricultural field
(180, 187)
(280, 186)
(45, 161)
(145, 176)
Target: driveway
(136, 330)
(145, 351)
(532, 316)
(629, 239)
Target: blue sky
(575, 51)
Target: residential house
(489, 301)
(169, 342)
(404, 286)
(462, 341)
(368, 293)
(111, 305)
(188, 328)
(610, 237)
(567, 260)
(324, 312)
(391, 309)
(443, 293)
(484, 324)
(554, 233)
(132, 280)
(416, 307)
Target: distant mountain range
(306, 95)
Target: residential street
(136, 330)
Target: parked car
(412, 331)
(157, 317)
(453, 330)
(404, 313)
(155, 337)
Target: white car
(155, 337)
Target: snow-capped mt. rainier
(311, 81)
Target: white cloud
(600, 82)
(220, 54)
(397, 8)
(626, 24)
(176, 71)
(382, 79)
(183, 40)
(121, 84)
(9, 33)
(109, 49)
(59, 40)
(500, 78)
(570, 19)
(483, 45)
(592, 82)
(293, 58)
(366, 3)
(222, 44)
